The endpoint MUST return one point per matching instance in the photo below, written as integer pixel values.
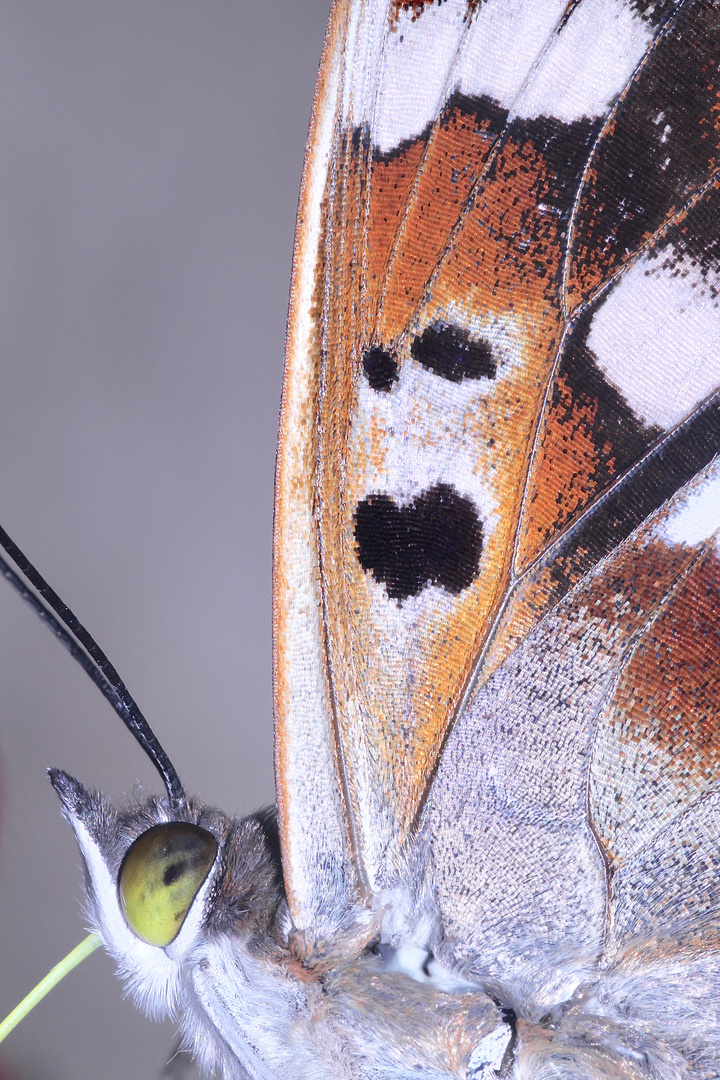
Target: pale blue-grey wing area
(580, 756)
(574, 820)
(573, 816)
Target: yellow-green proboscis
(53, 977)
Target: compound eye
(161, 875)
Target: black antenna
(48, 606)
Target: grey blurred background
(150, 156)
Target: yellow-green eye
(160, 877)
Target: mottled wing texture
(575, 816)
(497, 441)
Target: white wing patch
(423, 433)
(507, 40)
(588, 63)
(405, 104)
(422, 436)
(657, 338)
(697, 515)
(428, 430)
(519, 53)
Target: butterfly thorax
(254, 996)
(385, 998)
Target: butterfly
(495, 577)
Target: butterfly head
(162, 883)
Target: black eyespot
(437, 539)
(450, 352)
(381, 369)
(172, 873)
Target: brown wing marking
(659, 148)
(588, 437)
(623, 508)
(657, 750)
(654, 791)
(590, 433)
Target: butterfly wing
(593, 724)
(586, 756)
(467, 429)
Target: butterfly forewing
(473, 388)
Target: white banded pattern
(519, 53)
(666, 361)
(695, 516)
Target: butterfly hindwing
(587, 747)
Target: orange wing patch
(457, 152)
(434, 428)
(657, 750)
